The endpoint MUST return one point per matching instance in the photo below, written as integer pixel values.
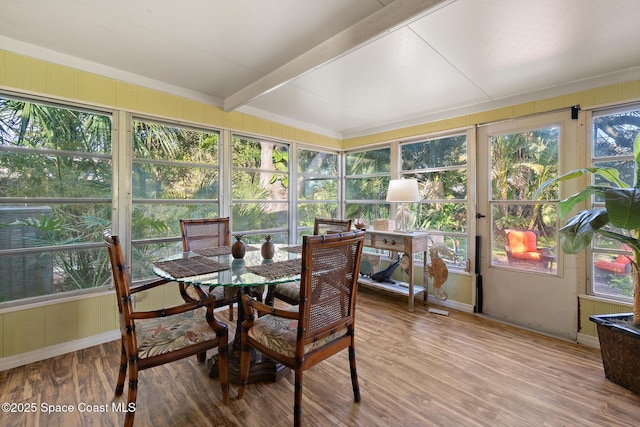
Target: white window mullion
(122, 146)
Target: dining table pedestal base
(262, 368)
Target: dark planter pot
(620, 349)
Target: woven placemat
(194, 266)
(220, 250)
(293, 249)
(278, 269)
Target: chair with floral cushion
(322, 326)
(207, 233)
(289, 292)
(155, 337)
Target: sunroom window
(367, 175)
(440, 166)
(318, 188)
(55, 198)
(175, 175)
(613, 134)
(260, 189)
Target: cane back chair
(331, 225)
(290, 292)
(206, 233)
(155, 337)
(322, 326)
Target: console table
(408, 242)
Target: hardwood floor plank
(414, 369)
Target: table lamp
(403, 190)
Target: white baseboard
(57, 350)
(588, 340)
(455, 305)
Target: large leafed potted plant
(619, 219)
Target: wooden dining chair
(155, 337)
(289, 292)
(206, 233)
(324, 225)
(322, 326)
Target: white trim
(616, 77)
(266, 115)
(54, 57)
(57, 350)
(605, 300)
(455, 305)
(53, 299)
(515, 325)
(588, 340)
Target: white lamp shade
(403, 190)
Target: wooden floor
(415, 369)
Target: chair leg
(223, 364)
(297, 402)
(269, 299)
(231, 311)
(123, 371)
(133, 392)
(245, 359)
(354, 373)
(202, 357)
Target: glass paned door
(524, 281)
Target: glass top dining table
(217, 267)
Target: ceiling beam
(391, 17)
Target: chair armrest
(208, 302)
(250, 303)
(150, 285)
(186, 297)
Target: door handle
(479, 215)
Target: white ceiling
(343, 68)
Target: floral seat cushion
(289, 289)
(165, 334)
(220, 292)
(279, 334)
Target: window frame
(279, 234)
(593, 253)
(171, 243)
(35, 202)
(457, 263)
(300, 229)
(380, 202)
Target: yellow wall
(34, 328)
(592, 306)
(42, 326)
(587, 99)
(35, 76)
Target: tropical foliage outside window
(317, 191)
(613, 133)
(175, 175)
(520, 163)
(260, 189)
(55, 198)
(56, 179)
(367, 175)
(440, 166)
